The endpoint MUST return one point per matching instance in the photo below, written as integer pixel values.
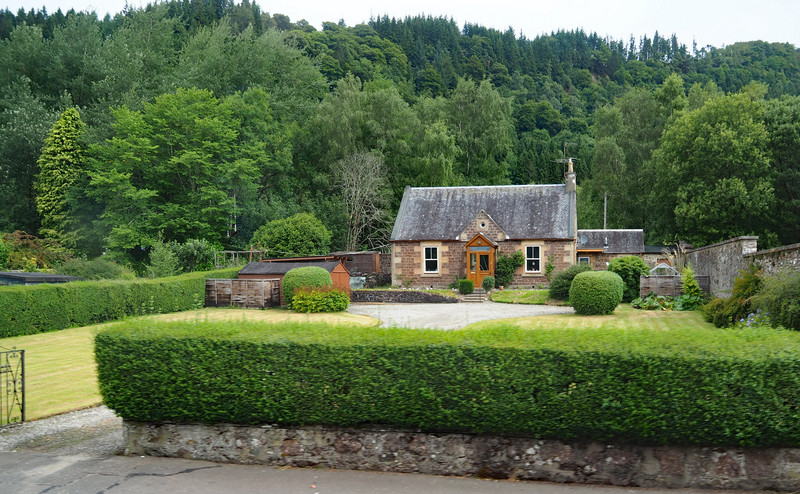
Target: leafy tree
(299, 235)
(61, 164)
(24, 123)
(5, 253)
(171, 169)
(713, 173)
(782, 120)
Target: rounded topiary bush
(465, 286)
(559, 287)
(305, 277)
(488, 283)
(596, 292)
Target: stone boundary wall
(519, 458)
(401, 296)
(721, 262)
(778, 259)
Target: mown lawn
(624, 317)
(61, 374)
(531, 297)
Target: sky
(717, 23)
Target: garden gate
(12, 387)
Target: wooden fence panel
(251, 294)
(669, 285)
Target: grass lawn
(61, 374)
(624, 317)
(530, 297)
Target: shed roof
(522, 211)
(279, 268)
(23, 277)
(612, 241)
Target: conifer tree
(61, 164)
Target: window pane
(484, 263)
(431, 266)
(532, 259)
(472, 263)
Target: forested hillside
(207, 119)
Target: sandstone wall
(521, 458)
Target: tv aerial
(566, 160)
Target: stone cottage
(445, 233)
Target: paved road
(449, 316)
(39, 473)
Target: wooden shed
(277, 269)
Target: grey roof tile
(619, 241)
(522, 211)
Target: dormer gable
(483, 224)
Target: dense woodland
(208, 119)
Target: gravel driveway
(449, 316)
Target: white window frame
(539, 258)
(585, 260)
(435, 250)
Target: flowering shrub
(754, 319)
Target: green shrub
(96, 269)
(299, 235)
(724, 312)
(465, 286)
(749, 282)
(653, 302)
(5, 252)
(721, 388)
(36, 309)
(163, 261)
(559, 287)
(780, 299)
(488, 283)
(689, 284)
(194, 255)
(319, 300)
(629, 268)
(505, 267)
(304, 277)
(596, 292)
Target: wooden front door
(480, 259)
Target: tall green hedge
(715, 388)
(40, 308)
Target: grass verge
(529, 297)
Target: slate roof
(522, 211)
(280, 268)
(619, 241)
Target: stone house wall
(407, 260)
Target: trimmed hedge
(726, 387)
(304, 277)
(596, 292)
(40, 308)
(320, 300)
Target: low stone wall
(400, 296)
(393, 450)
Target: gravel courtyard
(449, 316)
